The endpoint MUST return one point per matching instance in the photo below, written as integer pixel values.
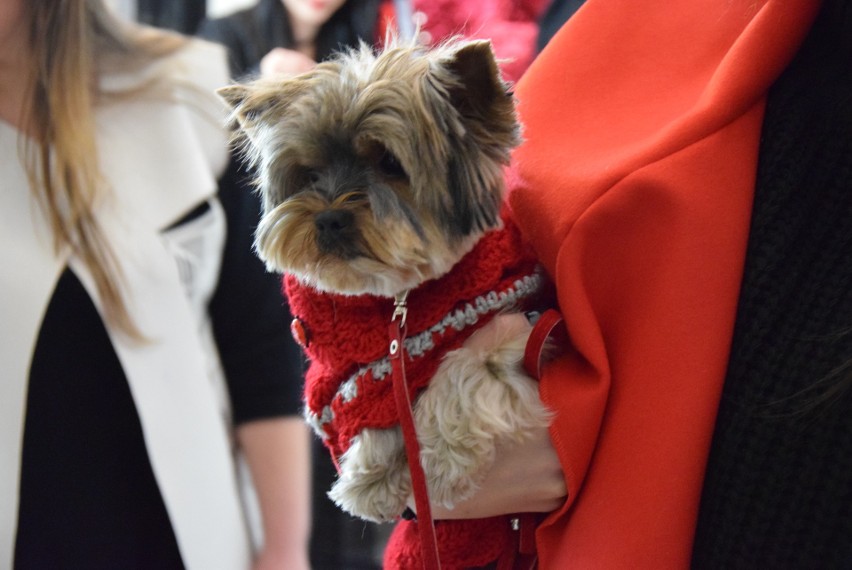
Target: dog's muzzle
(336, 233)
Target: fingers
(281, 61)
(526, 477)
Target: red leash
(543, 329)
(425, 523)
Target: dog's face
(378, 172)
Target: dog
(381, 176)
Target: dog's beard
(377, 257)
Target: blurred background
(182, 15)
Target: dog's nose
(336, 233)
(333, 222)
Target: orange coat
(635, 186)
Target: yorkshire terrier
(382, 179)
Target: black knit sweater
(778, 488)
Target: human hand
(285, 61)
(525, 478)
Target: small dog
(382, 176)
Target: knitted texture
(348, 385)
(778, 489)
(462, 544)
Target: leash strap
(546, 326)
(521, 554)
(425, 523)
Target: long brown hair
(71, 43)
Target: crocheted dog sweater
(348, 384)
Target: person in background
(511, 25)
(290, 36)
(686, 182)
(182, 16)
(143, 344)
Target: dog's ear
(253, 106)
(486, 109)
(478, 90)
(233, 95)
(247, 104)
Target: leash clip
(400, 308)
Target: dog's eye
(312, 176)
(389, 165)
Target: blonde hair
(71, 43)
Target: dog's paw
(374, 482)
(479, 398)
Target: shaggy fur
(380, 172)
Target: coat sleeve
(250, 316)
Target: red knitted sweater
(348, 384)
